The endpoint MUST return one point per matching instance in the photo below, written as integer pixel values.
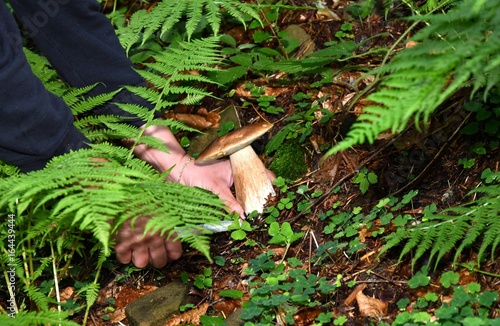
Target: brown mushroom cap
(233, 141)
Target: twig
(56, 279)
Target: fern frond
(73, 96)
(464, 225)
(91, 291)
(337, 52)
(214, 15)
(449, 235)
(140, 111)
(237, 9)
(121, 130)
(170, 123)
(40, 299)
(168, 13)
(41, 318)
(194, 16)
(154, 142)
(93, 126)
(44, 262)
(117, 189)
(132, 33)
(90, 103)
(456, 48)
(173, 77)
(152, 96)
(44, 71)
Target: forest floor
(425, 160)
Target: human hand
(216, 177)
(152, 248)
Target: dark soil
(424, 160)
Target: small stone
(154, 308)
(234, 319)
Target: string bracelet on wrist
(183, 167)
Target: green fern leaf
(131, 34)
(194, 15)
(168, 13)
(90, 103)
(455, 47)
(41, 318)
(40, 299)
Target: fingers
(174, 249)
(231, 202)
(157, 251)
(271, 175)
(124, 255)
(154, 249)
(140, 256)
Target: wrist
(162, 161)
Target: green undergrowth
(465, 305)
(63, 216)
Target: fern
(119, 189)
(168, 13)
(78, 194)
(40, 299)
(462, 226)
(43, 70)
(37, 318)
(334, 52)
(456, 49)
(172, 76)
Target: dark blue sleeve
(80, 43)
(35, 125)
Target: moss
(289, 161)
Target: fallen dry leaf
(242, 91)
(227, 306)
(306, 316)
(193, 120)
(189, 317)
(371, 307)
(67, 293)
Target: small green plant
(264, 102)
(300, 124)
(361, 9)
(419, 279)
(283, 235)
(365, 179)
(486, 115)
(345, 31)
(449, 278)
(348, 224)
(240, 229)
(204, 280)
(278, 292)
(468, 306)
(467, 163)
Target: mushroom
(251, 181)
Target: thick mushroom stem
(251, 182)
